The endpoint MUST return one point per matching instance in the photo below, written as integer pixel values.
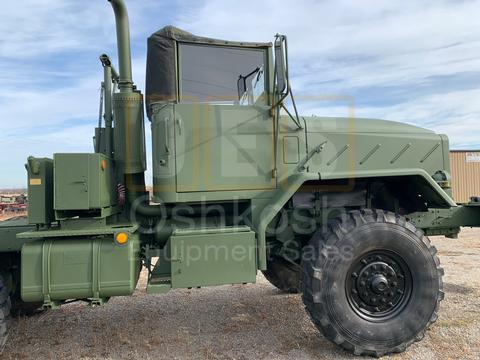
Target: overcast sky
(410, 61)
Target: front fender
(286, 189)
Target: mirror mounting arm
(281, 60)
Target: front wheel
(372, 282)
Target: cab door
(224, 133)
(222, 147)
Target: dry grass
(240, 322)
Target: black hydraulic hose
(138, 198)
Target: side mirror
(241, 86)
(281, 72)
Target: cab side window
(222, 75)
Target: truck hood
(360, 125)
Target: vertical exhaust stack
(129, 132)
(123, 44)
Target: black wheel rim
(378, 285)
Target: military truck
(338, 209)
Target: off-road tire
(328, 293)
(4, 314)
(284, 275)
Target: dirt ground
(240, 322)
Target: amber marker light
(121, 238)
(104, 164)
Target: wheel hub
(379, 284)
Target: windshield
(221, 74)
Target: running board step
(159, 285)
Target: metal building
(465, 169)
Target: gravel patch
(240, 322)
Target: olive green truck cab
(338, 209)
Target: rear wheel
(20, 308)
(283, 274)
(4, 313)
(12, 277)
(372, 282)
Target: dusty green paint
(447, 221)
(8, 234)
(81, 182)
(212, 152)
(266, 210)
(291, 150)
(129, 133)
(77, 268)
(209, 153)
(353, 146)
(84, 232)
(206, 256)
(40, 190)
(200, 259)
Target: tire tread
(316, 309)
